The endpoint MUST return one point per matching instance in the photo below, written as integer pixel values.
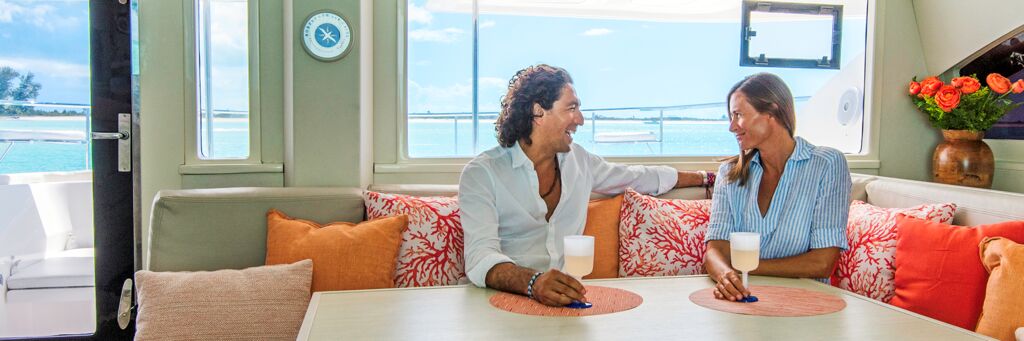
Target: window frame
(746, 34)
(191, 95)
(393, 159)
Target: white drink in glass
(745, 251)
(578, 266)
(579, 255)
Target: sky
(51, 40)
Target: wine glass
(579, 255)
(579, 261)
(745, 251)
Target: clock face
(326, 36)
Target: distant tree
(27, 90)
(7, 74)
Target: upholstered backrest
(226, 228)
(974, 206)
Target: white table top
(464, 313)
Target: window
(652, 75)
(223, 128)
(768, 27)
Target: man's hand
(555, 288)
(730, 286)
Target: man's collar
(519, 157)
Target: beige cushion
(975, 206)
(265, 303)
(226, 228)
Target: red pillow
(431, 251)
(661, 237)
(938, 273)
(866, 267)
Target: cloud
(48, 67)
(597, 32)
(446, 35)
(439, 99)
(41, 16)
(487, 23)
(419, 15)
(230, 27)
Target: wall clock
(326, 36)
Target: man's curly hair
(541, 84)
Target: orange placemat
(605, 300)
(773, 301)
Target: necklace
(558, 178)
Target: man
(520, 199)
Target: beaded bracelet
(529, 287)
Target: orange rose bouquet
(963, 103)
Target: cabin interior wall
(326, 136)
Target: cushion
(603, 224)
(68, 268)
(431, 249)
(265, 302)
(345, 256)
(661, 237)
(938, 273)
(867, 267)
(1004, 297)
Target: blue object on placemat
(749, 299)
(578, 305)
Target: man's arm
(552, 288)
(689, 179)
(612, 178)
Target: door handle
(124, 141)
(121, 135)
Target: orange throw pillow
(937, 269)
(1004, 296)
(345, 256)
(603, 224)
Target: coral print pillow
(431, 251)
(868, 266)
(661, 237)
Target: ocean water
(427, 138)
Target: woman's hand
(730, 286)
(556, 289)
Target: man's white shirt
(503, 214)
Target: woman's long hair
(768, 94)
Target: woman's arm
(718, 264)
(817, 263)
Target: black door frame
(115, 194)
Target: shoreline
(43, 118)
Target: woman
(795, 194)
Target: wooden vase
(963, 159)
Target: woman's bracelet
(529, 287)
